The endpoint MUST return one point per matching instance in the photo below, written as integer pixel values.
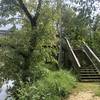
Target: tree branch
(24, 8)
(38, 10)
(32, 19)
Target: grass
(54, 86)
(97, 92)
(87, 86)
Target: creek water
(3, 90)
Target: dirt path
(85, 91)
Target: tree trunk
(32, 19)
(33, 39)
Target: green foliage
(45, 82)
(79, 22)
(12, 49)
(54, 86)
(15, 47)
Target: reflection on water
(4, 88)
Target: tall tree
(18, 6)
(33, 39)
(83, 20)
(32, 19)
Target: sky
(8, 26)
(18, 26)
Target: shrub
(54, 86)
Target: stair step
(88, 69)
(84, 71)
(89, 77)
(89, 80)
(89, 74)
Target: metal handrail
(76, 61)
(90, 50)
(92, 56)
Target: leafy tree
(79, 24)
(33, 21)
(25, 43)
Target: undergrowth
(54, 86)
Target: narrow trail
(85, 91)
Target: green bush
(54, 86)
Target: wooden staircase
(85, 62)
(88, 71)
(89, 74)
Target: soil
(85, 91)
